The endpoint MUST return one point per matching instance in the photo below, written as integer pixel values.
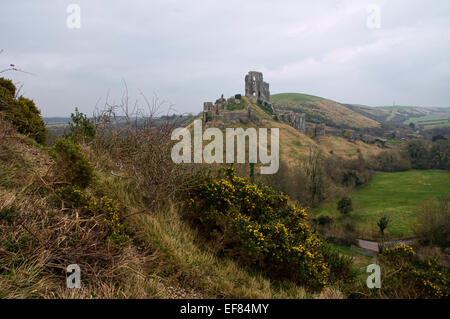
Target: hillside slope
(322, 110)
(295, 146)
(165, 257)
(428, 117)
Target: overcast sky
(188, 52)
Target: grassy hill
(165, 259)
(318, 109)
(295, 146)
(434, 120)
(396, 195)
(429, 117)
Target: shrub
(390, 161)
(383, 223)
(324, 220)
(8, 85)
(345, 205)
(432, 225)
(22, 112)
(260, 228)
(419, 153)
(72, 164)
(438, 137)
(406, 276)
(90, 205)
(238, 96)
(350, 178)
(440, 154)
(81, 128)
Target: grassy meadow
(396, 195)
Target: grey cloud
(192, 51)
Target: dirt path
(374, 246)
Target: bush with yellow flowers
(407, 276)
(90, 205)
(259, 227)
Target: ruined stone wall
(233, 117)
(296, 120)
(313, 130)
(255, 87)
(215, 113)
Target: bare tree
(315, 176)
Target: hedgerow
(259, 227)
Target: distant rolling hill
(321, 110)
(429, 117)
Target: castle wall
(233, 117)
(298, 121)
(256, 88)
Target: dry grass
(39, 238)
(345, 149)
(331, 293)
(180, 259)
(327, 109)
(165, 258)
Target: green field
(396, 195)
(430, 121)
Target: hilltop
(318, 109)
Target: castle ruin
(229, 111)
(236, 110)
(296, 120)
(255, 87)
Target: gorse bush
(260, 228)
(89, 205)
(21, 112)
(406, 276)
(8, 86)
(72, 163)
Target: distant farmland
(431, 121)
(396, 195)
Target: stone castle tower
(255, 87)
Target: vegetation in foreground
(261, 229)
(111, 207)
